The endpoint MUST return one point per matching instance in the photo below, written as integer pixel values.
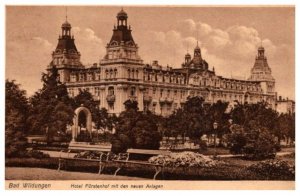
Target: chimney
(155, 62)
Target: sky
(228, 38)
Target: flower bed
(184, 159)
(88, 155)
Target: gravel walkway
(23, 173)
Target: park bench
(72, 152)
(123, 159)
(107, 157)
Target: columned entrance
(82, 122)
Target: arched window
(137, 74)
(111, 73)
(115, 73)
(106, 74)
(111, 90)
(128, 73)
(132, 91)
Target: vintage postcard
(149, 97)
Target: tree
(259, 112)
(217, 113)
(51, 107)
(145, 132)
(193, 117)
(135, 129)
(16, 108)
(285, 127)
(255, 144)
(175, 124)
(259, 125)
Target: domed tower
(197, 52)
(66, 56)
(261, 72)
(121, 46)
(197, 62)
(187, 58)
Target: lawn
(18, 173)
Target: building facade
(121, 75)
(285, 106)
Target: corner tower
(121, 46)
(261, 72)
(66, 56)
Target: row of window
(90, 76)
(61, 60)
(164, 78)
(114, 54)
(227, 85)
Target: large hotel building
(121, 75)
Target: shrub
(256, 144)
(260, 145)
(203, 145)
(36, 154)
(274, 169)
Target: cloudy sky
(228, 37)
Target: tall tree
(285, 127)
(216, 113)
(16, 111)
(51, 107)
(263, 116)
(193, 117)
(135, 129)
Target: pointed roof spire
(66, 14)
(260, 42)
(66, 24)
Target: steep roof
(121, 33)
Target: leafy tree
(135, 130)
(285, 126)
(255, 144)
(259, 112)
(175, 124)
(260, 124)
(51, 107)
(16, 109)
(217, 113)
(237, 140)
(145, 132)
(193, 113)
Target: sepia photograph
(149, 97)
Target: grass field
(17, 173)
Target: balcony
(111, 99)
(147, 98)
(166, 100)
(133, 97)
(96, 98)
(183, 100)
